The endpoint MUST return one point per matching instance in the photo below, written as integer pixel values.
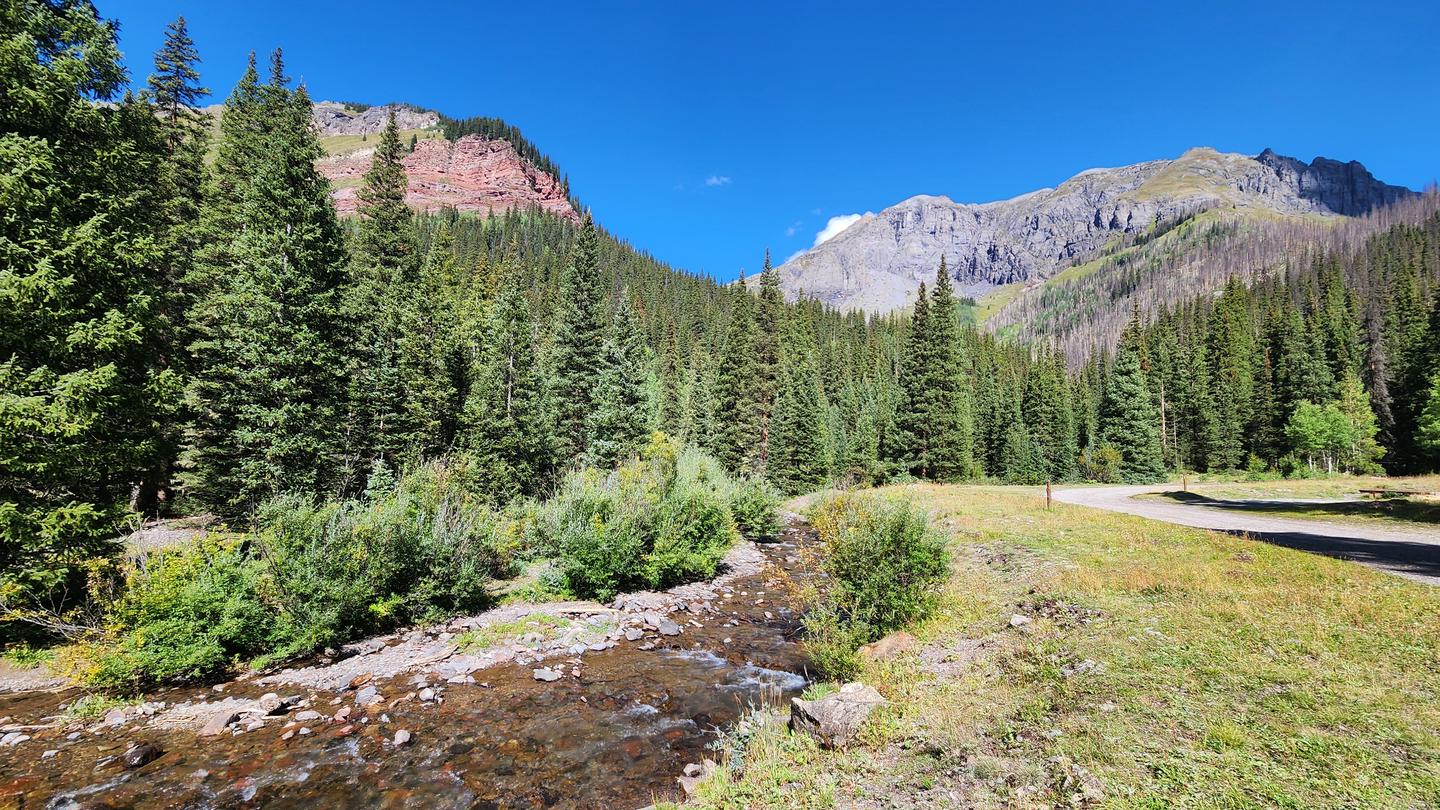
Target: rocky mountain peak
(878, 262)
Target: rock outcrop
(878, 262)
(471, 174)
(334, 118)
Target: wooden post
(1185, 482)
(1047, 494)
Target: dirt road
(1411, 554)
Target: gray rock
(218, 722)
(877, 263)
(141, 755)
(634, 634)
(546, 674)
(669, 628)
(367, 696)
(402, 737)
(835, 719)
(307, 716)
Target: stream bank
(605, 708)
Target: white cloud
(836, 225)
(717, 180)
(793, 229)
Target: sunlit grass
(1182, 669)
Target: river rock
(14, 738)
(887, 647)
(141, 755)
(427, 694)
(668, 628)
(307, 716)
(835, 719)
(51, 754)
(367, 696)
(360, 680)
(546, 674)
(634, 634)
(218, 722)
(402, 737)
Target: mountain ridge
(876, 264)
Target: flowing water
(617, 736)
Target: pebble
(51, 754)
(402, 737)
(367, 696)
(304, 731)
(427, 694)
(287, 735)
(74, 735)
(342, 714)
(308, 716)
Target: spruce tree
(506, 426)
(737, 407)
(769, 312)
(84, 400)
(908, 450)
(579, 336)
(1129, 422)
(945, 397)
(798, 459)
(624, 396)
(272, 343)
(382, 293)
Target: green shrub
(754, 504)
(656, 521)
(185, 614)
(885, 563)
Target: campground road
(1410, 554)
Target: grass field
(345, 144)
(1164, 667)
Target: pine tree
(175, 92)
(798, 459)
(769, 312)
(1049, 418)
(271, 352)
(84, 405)
(909, 447)
(1128, 418)
(579, 336)
(380, 299)
(737, 409)
(507, 427)
(1428, 431)
(944, 398)
(624, 397)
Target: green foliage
(1429, 423)
(185, 614)
(623, 411)
(1131, 424)
(885, 563)
(84, 404)
(799, 452)
(310, 575)
(754, 504)
(658, 520)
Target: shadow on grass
(1400, 510)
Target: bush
(419, 550)
(754, 504)
(658, 520)
(310, 575)
(185, 614)
(884, 562)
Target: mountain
(452, 165)
(877, 263)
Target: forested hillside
(179, 335)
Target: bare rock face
(835, 719)
(334, 118)
(877, 263)
(471, 174)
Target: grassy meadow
(1162, 667)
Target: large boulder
(835, 719)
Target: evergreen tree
(624, 400)
(1428, 431)
(909, 447)
(579, 337)
(1050, 420)
(506, 427)
(271, 348)
(944, 396)
(382, 297)
(737, 407)
(84, 406)
(1128, 418)
(769, 311)
(798, 458)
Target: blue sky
(705, 133)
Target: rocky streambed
(577, 705)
